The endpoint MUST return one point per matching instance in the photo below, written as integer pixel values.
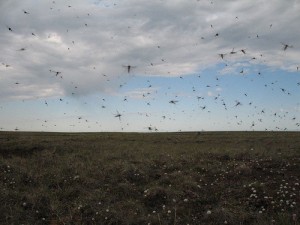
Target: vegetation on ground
(150, 178)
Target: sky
(149, 66)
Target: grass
(162, 178)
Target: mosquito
(286, 46)
(173, 102)
(129, 67)
(118, 115)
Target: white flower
(294, 217)
(208, 212)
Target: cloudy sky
(160, 65)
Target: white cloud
(163, 38)
(140, 93)
(210, 94)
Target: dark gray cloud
(91, 42)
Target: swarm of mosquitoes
(129, 68)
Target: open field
(161, 178)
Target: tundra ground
(150, 178)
